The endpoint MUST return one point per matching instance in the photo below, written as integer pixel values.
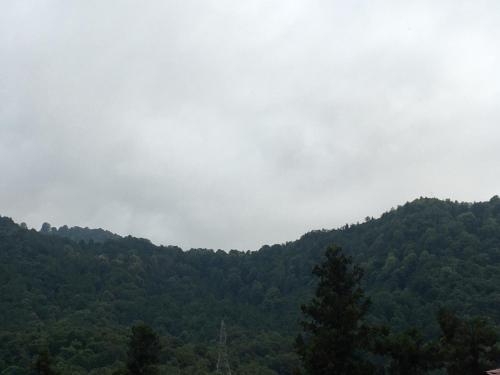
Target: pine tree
(43, 364)
(144, 351)
(336, 340)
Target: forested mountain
(79, 298)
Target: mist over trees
(78, 234)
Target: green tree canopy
(469, 346)
(410, 354)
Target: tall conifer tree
(336, 340)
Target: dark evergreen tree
(43, 364)
(469, 347)
(336, 339)
(144, 351)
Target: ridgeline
(77, 291)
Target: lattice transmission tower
(223, 367)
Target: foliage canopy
(79, 298)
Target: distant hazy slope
(79, 234)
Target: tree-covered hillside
(80, 298)
(79, 234)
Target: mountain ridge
(418, 257)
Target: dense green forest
(78, 296)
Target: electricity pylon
(223, 367)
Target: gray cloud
(232, 124)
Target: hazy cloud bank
(233, 124)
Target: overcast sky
(233, 124)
